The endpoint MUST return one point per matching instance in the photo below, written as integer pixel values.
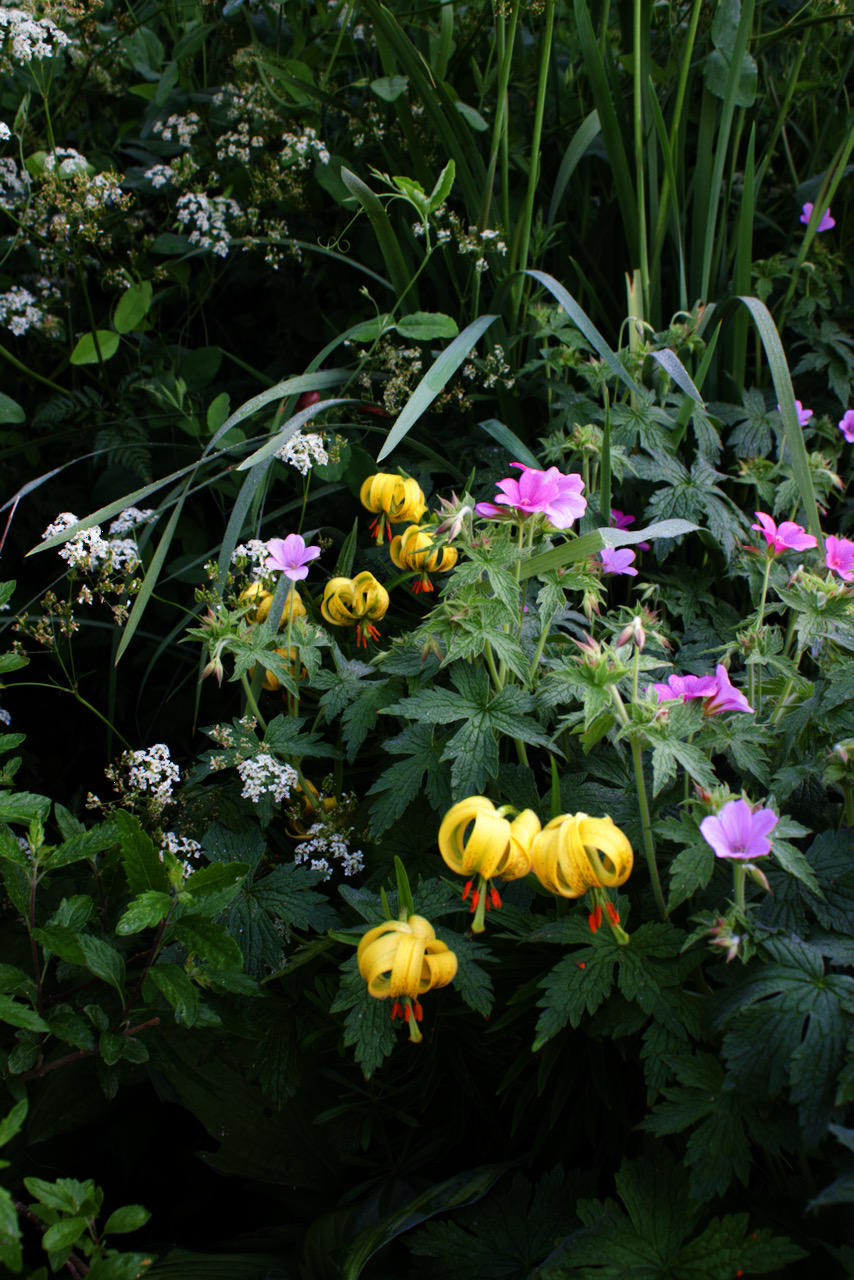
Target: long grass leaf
(577, 149)
(383, 230)
(743, 265)
(589, 543)
(443, 368)
(152, 573)
(321, 380)
(722, 142)
(582, 321)
(669, 196)
(611, 132)
(672, 365)
(786, 399)
(511, 442)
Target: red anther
(582, 965)
(495, 897)
(397, 1010)
(467, 889)
(595, 918)
(419, 1012)
(374, 526)
(407, 1011)
(613, 913)
(475, 899)
(422, 584)
(373, 632)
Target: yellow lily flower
(394, 498)
(566, 860)
(401, 959)
(412, 550)
(478, 841)
(355, 602)
(260, 601)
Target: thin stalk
(505, 40)
(253, 705)
(536, 135)
(739, 874)
(640, 192)
(643, 805)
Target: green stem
(506, 41)
(536, 136)
(643, 805)
(253, 705)
(639, 87)
(490, 662)
(739, 874)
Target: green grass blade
(611, 131)
(669, 196)
(605, 463)
(442, 369)
(242, 503)
(587, 327)
(575, 152)
(590, 543)
(743, 265)
(389, 245)
(673, 366)
(152, 573)
(786, 400)
(321, 380)
(511, 442)
(722, 144)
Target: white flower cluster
(13, 184)
(208, 216)
(131, 516)
(101, 190)
(5, 132)
(324, 844)
(180, 129)
(20, 311)
(301, 148)
(5, 718)
(262, 776)
(70, 162)
(159, 175)
(238, 143)
(255, 552)
(89, 550)
(152, 771)
(185, 850)
(304, 451)
(26, 37)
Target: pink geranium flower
(548, 493)
(726, 697)
(290, 556)
(785, 537)
(717, 692)
(846, 425)
(618, 560)
(739, 831)
(686, 687)
(827, 222)
(839, 556)
(804, 415)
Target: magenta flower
(726, 697)
(839, 556)
(785, 537)
(620, 520)
(290, 556)
(716, 691)
(618, 560)
(804, 415)
(846, 425)
(686, 687)
(739, 831)
(827, 222)
(549, 493)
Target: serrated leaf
(141, 860)
(368, 1027)
(102, 960)
(144, 913)
(208, 941)
(213, 887)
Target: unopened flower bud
(633, 633)
(757, 876)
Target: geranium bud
(758, 877)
